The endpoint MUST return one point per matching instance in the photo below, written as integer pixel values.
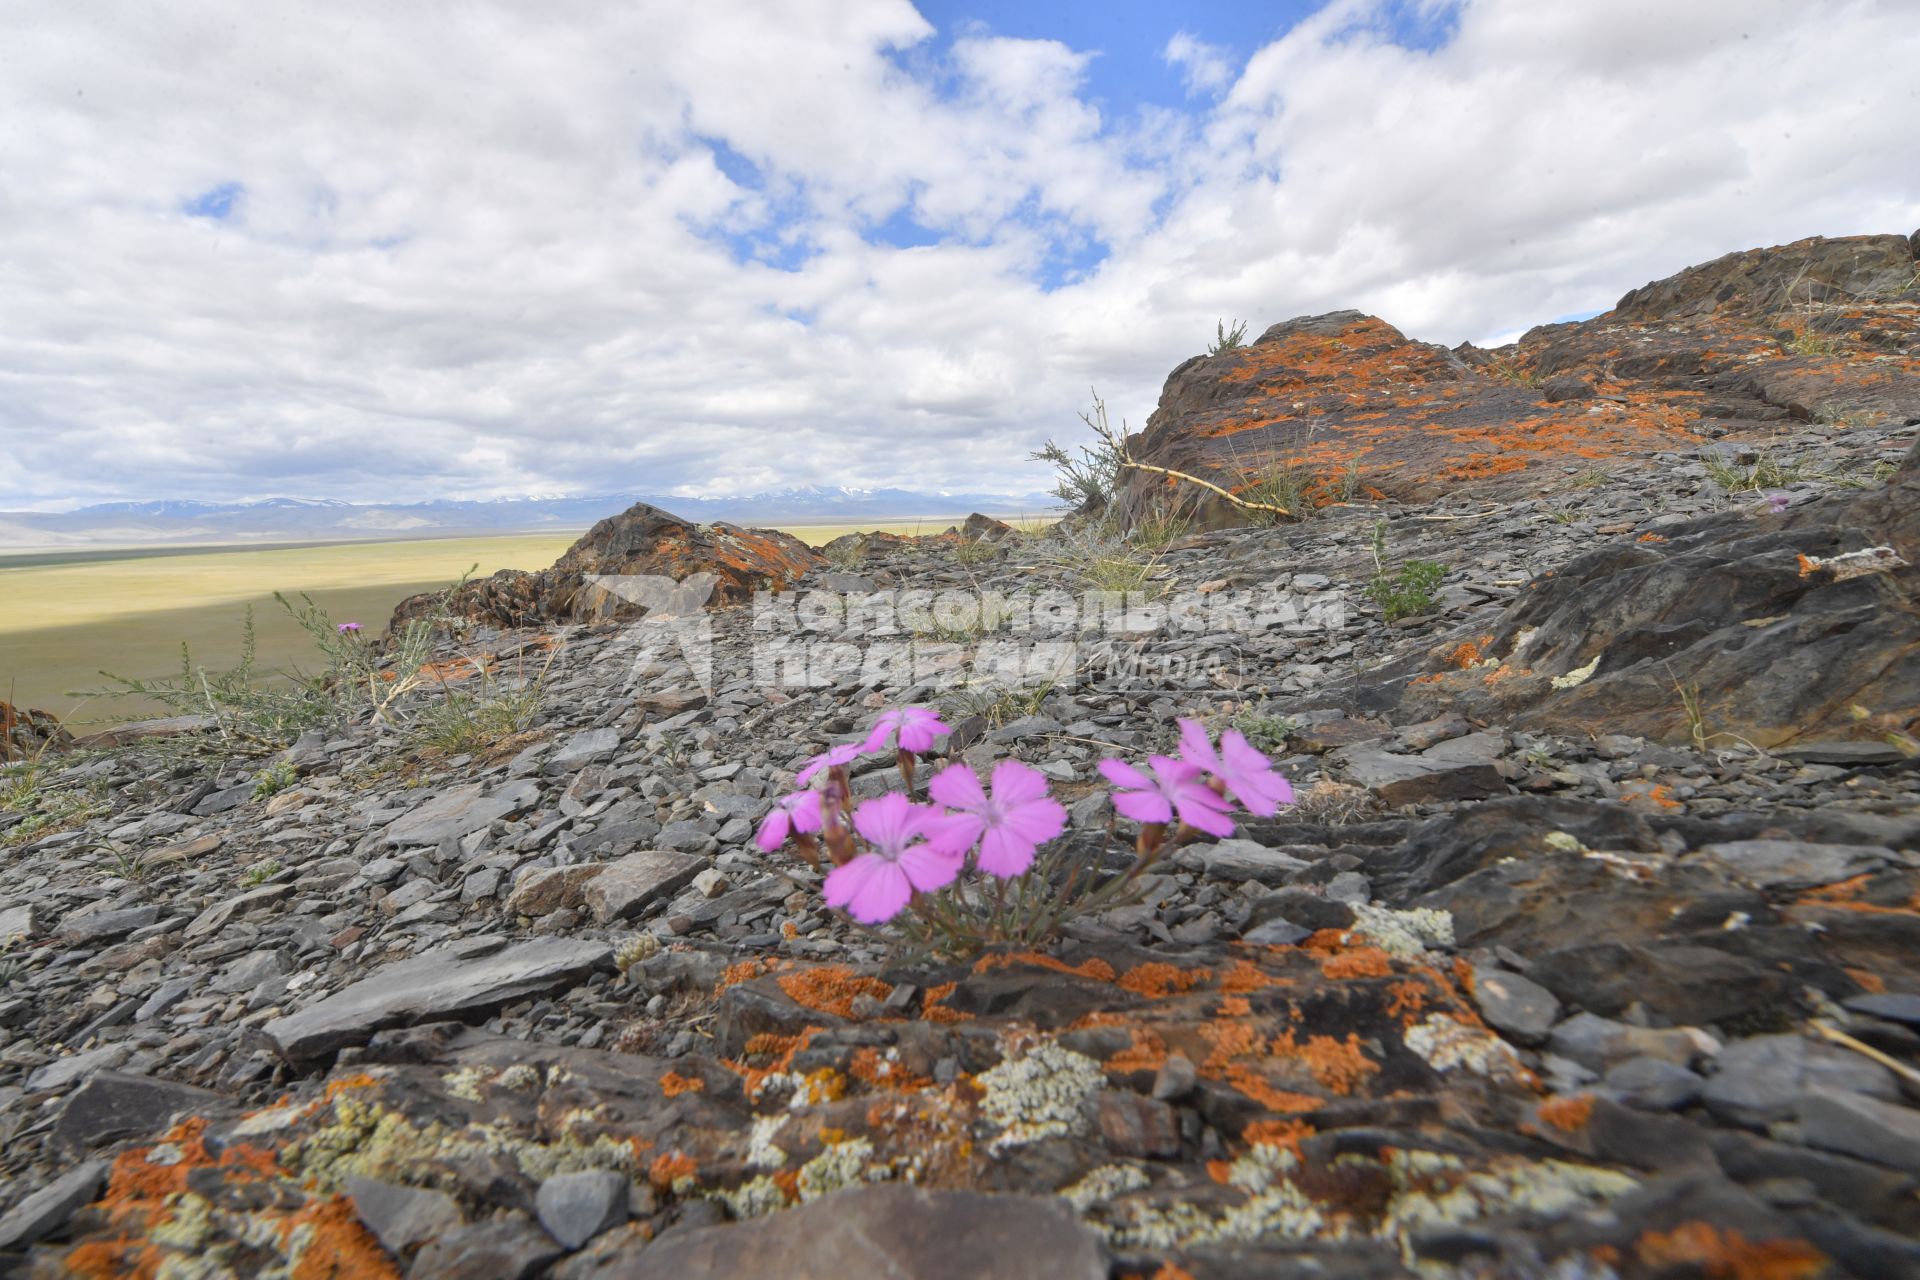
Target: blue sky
(371, 251)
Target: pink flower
(1175, 787)
(1018, 817)
(917, 728)
(347, 628)
(1248, 774)
(845, 753)
(876, 885)
(798, 812)
(1778, 502)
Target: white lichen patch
(1578, 676)
(1405, 935)
(1039, 1095)
(272, 1120)
(1435, 1190)
(761, 1151)
(520, 1078)
(1106, 1183)
(1448, 1044)
(842, 1165)
(753, 1199)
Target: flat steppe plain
(66, 616)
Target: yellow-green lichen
(1403, 934)
(1103, 1184)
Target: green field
(64, 619)
(66, 616)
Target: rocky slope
(1537, 979)
(1343, 404)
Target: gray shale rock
(436, 985)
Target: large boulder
(643, 540)
(1783, 630)
(1325, 407)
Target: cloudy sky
(382, 251)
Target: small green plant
(975, 552)
(1508, 368)
(468, 721)
(1409, 591)
(27, 789)
(1696, 716)
(1088, 480)
(274, 779)
(638, 949)
(1844, 415)
(260, 873)
(1228, 339)
(1805, 342)
(1591, 478)
(1284, 484)
(998, 703)
(1158, 530)
(1766, 472)
(1266, 731)
(127, 863)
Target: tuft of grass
(999, 703)
(1228, 339)
(1766, 472)
(976, 552)
(1805, 342)
(1158, 530)
(1509, 369)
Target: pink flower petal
(1122, 774)
(773, 830)
(958, 787)
(1015, 783)
(885, 822)
(952, 834)
(1143, 806)
(870, 888)
(1036, 821)
(929, 869)
(1004, 854)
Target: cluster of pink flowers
(886, 850)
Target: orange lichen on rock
(1729, 1255)
(1243, 977)
(1230, 1040)
(933, 1005)
(1360, 962)
(1469, 653)
(1278, 1133)
(337, 1247)
(1233, 1007)
(1651, 537)
(870, 1067)
(1148, 1052)
(668, 1168)
(742, 971)
(1248, 1081)
(1097, 969)
(1157, 981)
(1324, 941)
(1168, 1271)
(1337, 1065)
(831, 988)
(1659, 795)
(1867, 980)
(673, 1084)
(1407, 999)
(1568, 1113)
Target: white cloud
(496, 253)
(1206, 68)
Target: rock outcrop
(1332, 407)
(643, 540)
(26, 734)
(1793, 629)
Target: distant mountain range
(321, 519)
